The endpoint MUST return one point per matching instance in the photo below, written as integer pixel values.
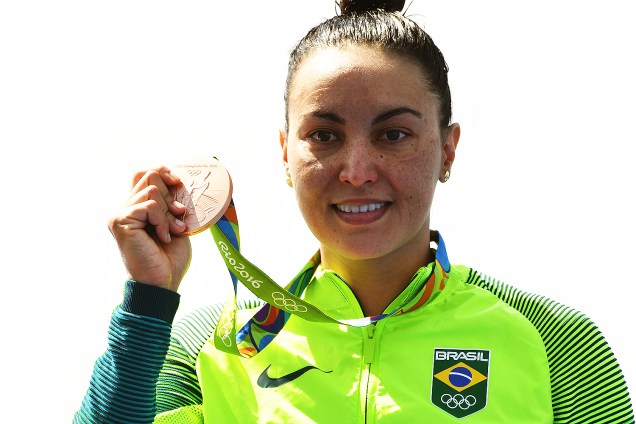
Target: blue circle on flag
(460, 377)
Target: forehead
(332, 61)
(358, 74)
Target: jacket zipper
(369, 345)
(368, 354)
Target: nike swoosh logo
(267, 382)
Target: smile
(359, 208)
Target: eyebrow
(382, 117)
(329, 116)
(394, 112)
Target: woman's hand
(148, 231)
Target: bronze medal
(206, 191)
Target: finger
(169, 178)
(159, 179)
(149, 217)
(164, 217)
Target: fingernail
(179, 223)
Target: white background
(541, 194)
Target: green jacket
(468, 353)
(478, 351)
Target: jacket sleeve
(179, 397)
(123, 384)
(586, 380)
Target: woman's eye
(323, 136)
(393, 135)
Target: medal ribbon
(282, 302)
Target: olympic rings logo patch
(458, 401)
(460, 380)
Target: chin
(356, 253)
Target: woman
(368, 136)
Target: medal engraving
(206, 191)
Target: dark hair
(380, 24)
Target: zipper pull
(369, 344)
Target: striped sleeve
(587, 383)
(123, 384)
(148, 372)
(178, 386)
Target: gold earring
(446, 176)
(289, 182)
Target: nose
(359, 164)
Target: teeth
(359, 208)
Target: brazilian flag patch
(460, 380)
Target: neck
(377, 282)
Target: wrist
(148, 300)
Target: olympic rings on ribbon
(458, 400)
(225, 328)
(289, 304)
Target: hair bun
(353, 6)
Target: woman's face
(364, 152)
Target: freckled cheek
(309, 174)
(416, 184)
(305, 178)
(309, 184)
(316, 214)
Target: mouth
(369, 207)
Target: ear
(451, 139)
(283, 145)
